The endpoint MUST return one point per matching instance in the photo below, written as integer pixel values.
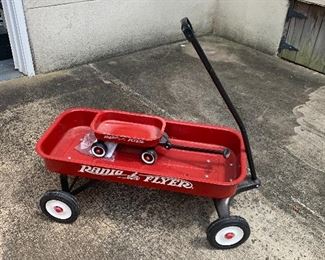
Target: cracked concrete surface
(280, 103)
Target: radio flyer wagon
(194, 158)
(138, 130)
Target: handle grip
(187, 29)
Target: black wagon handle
(188, 31)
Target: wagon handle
(190, 36)
(187, 29)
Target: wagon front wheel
(99, 149)
(228, 232)
(149, 156)
(60, 206)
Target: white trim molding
(18, 36)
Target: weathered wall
(256, 23)
(316, 2)
(68, 32)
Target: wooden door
(303, 41)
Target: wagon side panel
(141, 179)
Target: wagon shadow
(147, 208)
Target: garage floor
(282, 105)
(7, 67)
(7, 70)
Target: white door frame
(18, 36)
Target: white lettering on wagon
(100, 171)
(169, 181)
(123, 139)
(135, 176)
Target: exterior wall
(69, 32)
(315, 2)
(256, 23)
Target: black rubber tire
(150, 152)
(222, 223)
(64, 197)
(100, 145)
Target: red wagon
(127, 128)
(138, 130)
(189, 159)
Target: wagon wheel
(99, 149)
(60, 206)
(228, 232)
(149, 156)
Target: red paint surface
(128, 128)
(229, 235)
(58, 209)
(211, 175)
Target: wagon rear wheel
(149, 156)
(228, 232)
(99, 149)
(60, 206)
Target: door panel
(307, 35)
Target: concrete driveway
(282, 105)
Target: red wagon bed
(128, 128)
(182, 171)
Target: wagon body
(190, 172)
(128, 128)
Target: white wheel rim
(93, 150)
(143, 157)
(58, 209)
(229, 236)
